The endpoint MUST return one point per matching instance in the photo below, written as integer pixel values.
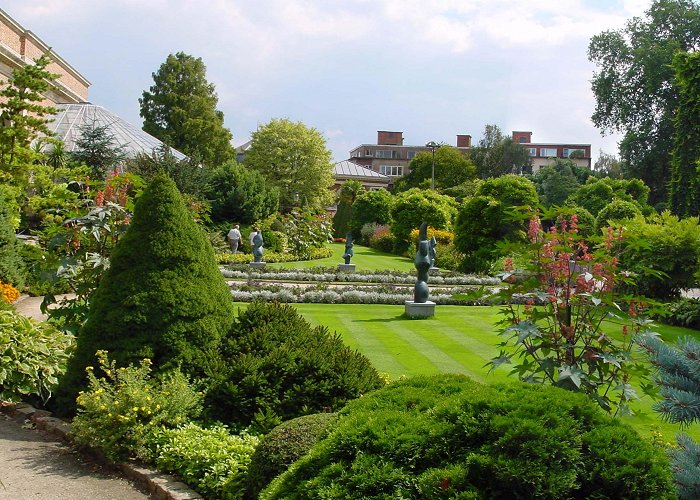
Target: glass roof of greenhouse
(72, 117)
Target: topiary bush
(273, 366)
(447, 436)
(616, 210)
(283, 446)
(162, 298)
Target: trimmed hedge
(447, 436)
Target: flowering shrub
(382, 239)
(212, 461)
(557, 335)
(8, 293)
(121, 411)
(32, 357)
(443, 237)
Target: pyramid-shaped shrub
(162, 298)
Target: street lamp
(432, 145)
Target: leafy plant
(123, 408)
(306, 230)
(32, 357)
(556, 337)
(212, 460)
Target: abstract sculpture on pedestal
(422, 263)
(431, 252)
(348, 248)
(258, 246)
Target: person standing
(252, 235)
(234, 238)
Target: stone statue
(431, 251)
(422, 263)
(348, 248)
(257, 246)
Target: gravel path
(33, 465)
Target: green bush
(370, 207)
(449, 437)
(162, 298)
(283, 446)
(121, 412)
(382, 239)
(341, 220)
(212, 461)
(486, 220)
(32, 357)
(663, 253)
(616, 210)
(413, 207)
(273, 366)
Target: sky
(431, 69)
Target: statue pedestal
(257, 265)
(348, 268)
(420, 309)
(434, 270)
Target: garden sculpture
(258, 246)
(422, 263)
(348, 248)
(431, 251)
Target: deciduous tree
(451, 168)
(634, 89)
(497, 154)
(180, 110)
(294, 158)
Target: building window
(391, 170)
(385, 153)
(521, 140)
(368, 152)
(410, 155)
(579, 152)
(548, 152)
(532, 151)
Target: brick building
(391, 157)
(543, 152)
(19, 46)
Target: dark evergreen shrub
(12, 269)
(341, 220)
(283, 446)
(273, 366)
(447, 436)
(162, 298)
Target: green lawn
(365, 259)
(457, 340)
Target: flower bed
(329, 275)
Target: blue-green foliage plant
(162, 297)
(273, 365)
(447, 436)
(678, 376)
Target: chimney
(464, 141)
(522, 137)
(385, 138)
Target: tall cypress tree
(162, 298)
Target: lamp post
(432, 145)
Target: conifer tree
(679, 379)
(162, 298)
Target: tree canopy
(634, 90)
(294, 158)
(497, 154)
(451, 169)
(180, 110)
